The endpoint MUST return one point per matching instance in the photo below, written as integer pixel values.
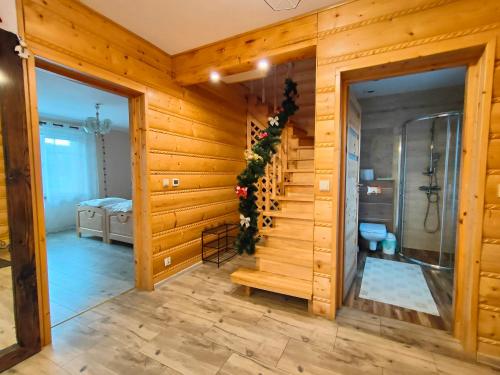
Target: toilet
(373, 233)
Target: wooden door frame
(137, 95)
(478, 54)
(15, 134)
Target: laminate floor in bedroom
(84, 272)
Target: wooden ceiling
(270, 89)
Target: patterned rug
(397, 283)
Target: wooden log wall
(202, 144)
(365, 29)
(374, 31)
(196, 134)
(489, 285)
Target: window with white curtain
(69, 173)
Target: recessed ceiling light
(214, 76)
(263, 65)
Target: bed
(91, 217)
(119, 222)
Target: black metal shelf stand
(217, 244)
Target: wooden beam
(281, 43)
(16, 141)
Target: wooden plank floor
(200, 323)
(440, 284)
(84, 272)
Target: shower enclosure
(428, 191)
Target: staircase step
(298, 132)
(306, 141)
(278, 267)
(300, 159)
(289, 232)
(299, 257)
(299, 190)
(298, 184)
(303, 148)
(296, 198)
(289, 215)
(299, 170)
(273, 282)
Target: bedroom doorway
(85, 154)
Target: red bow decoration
(241, 191)
(263, 135)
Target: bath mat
(397, 283)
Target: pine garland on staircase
(257, 158)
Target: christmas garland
(257, 158)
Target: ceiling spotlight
(282, 4)
(214, 76)
(263, 65)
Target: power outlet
(175, 182)
(167, 261)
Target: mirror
(7, 320)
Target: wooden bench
(272, 282)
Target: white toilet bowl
(373, 233)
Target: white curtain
(69, 173)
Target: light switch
(166, 182)
(324, 185)
(175, 182)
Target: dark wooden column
(19, 203)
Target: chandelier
(95, 125)
(283, 4)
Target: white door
(352, 196)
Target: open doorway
(86, 176)
(401, 195)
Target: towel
(373, 190)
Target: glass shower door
(428, 189)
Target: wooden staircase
(285, 253)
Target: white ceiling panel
(180, 25)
